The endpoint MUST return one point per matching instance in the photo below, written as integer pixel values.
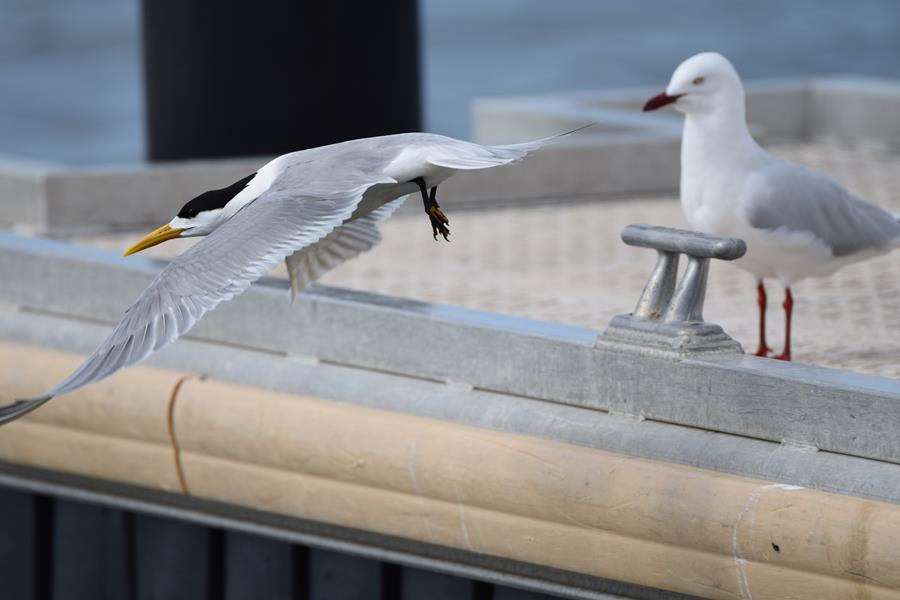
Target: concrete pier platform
(562, 261)
(560, 460)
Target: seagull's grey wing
(457, 154)
(221, 266)
(794, 199)
(344, 243)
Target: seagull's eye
(697, 80)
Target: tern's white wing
(344, 243)
(216, 269)
(793, 199)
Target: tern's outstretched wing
(218, 268)
(344, 243)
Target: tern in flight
(797, 222)
(314, 209)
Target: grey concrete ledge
(837, 411)
(53, 197)
(778, 110)
(787, 463)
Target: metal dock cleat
(669, 314)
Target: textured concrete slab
(840, 411)
(564, 262)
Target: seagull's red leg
(763, 349)
(788, 310)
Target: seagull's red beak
(660, 100)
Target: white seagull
(797, 222)
(314, 208)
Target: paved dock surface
(565, 263)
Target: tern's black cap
(213, 199)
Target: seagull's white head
(202, 215)
(701, 84)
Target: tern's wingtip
(21, 407)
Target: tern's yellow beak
(157, 236)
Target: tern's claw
(439, 228)
(439, 222)
(436, 212)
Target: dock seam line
(176, 449)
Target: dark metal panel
(257, 568)
(173, 560)
(42, 534)
(508, 593)
(17, 544)
(478, 567)
(333, 575)
(300, 559)
(418, 583)
(118, 535)
(237, 78)
(482, 590)
(91, 552)
(391, 581)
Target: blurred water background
(70, 69)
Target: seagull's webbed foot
(763, 350)
(439, 220)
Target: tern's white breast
(412, 162)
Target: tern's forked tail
(527, 147)
(469, 156)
